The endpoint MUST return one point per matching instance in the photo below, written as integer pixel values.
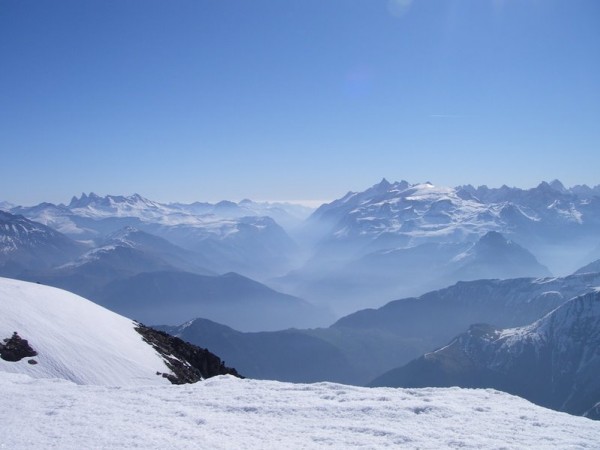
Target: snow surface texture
(75, 339)
(226, 413)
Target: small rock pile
(16, 348)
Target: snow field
(227, 413)
(76, 339)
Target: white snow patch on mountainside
(422, 212)
(213, 219)
(419, 211)
(225, 413)
(75, 339)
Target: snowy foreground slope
(226, 412)
(71, 338)
(94, 385)
(75, 339)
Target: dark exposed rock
(189, 363)
(15, 348)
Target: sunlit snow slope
(75, 339)
(228, 413)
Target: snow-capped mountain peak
(93, 205)
(417, 211)
(577, 319)
(33, 244)
(16, 228)
(423, 212)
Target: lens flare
(399, 8)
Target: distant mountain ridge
(424, 212)
(293, 355)
(376, 245)
(494, 256)
(369, 342)
(151, 279)
(394, 273)
(28, 244)
(592, 267)
(172, 297)
(232, 237)
(392, 240)
(172, 254)
(71, 218)
(493, 194)
(553, 362)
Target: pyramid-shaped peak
(544, 185)
(557, 186)
(382, 186)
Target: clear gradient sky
(184, 100)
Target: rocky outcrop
(15, 348)
(188, 362)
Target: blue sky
(185, 100)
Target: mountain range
(25, 244)
(391, 241)
(363, 345)
(230, 238)
(412, 213)
(172, 297)
(380, 276)
(592, 267)
(457, 258)
(149, 278)
(401, 239)
(553, 362)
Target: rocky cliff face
(189, 363)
